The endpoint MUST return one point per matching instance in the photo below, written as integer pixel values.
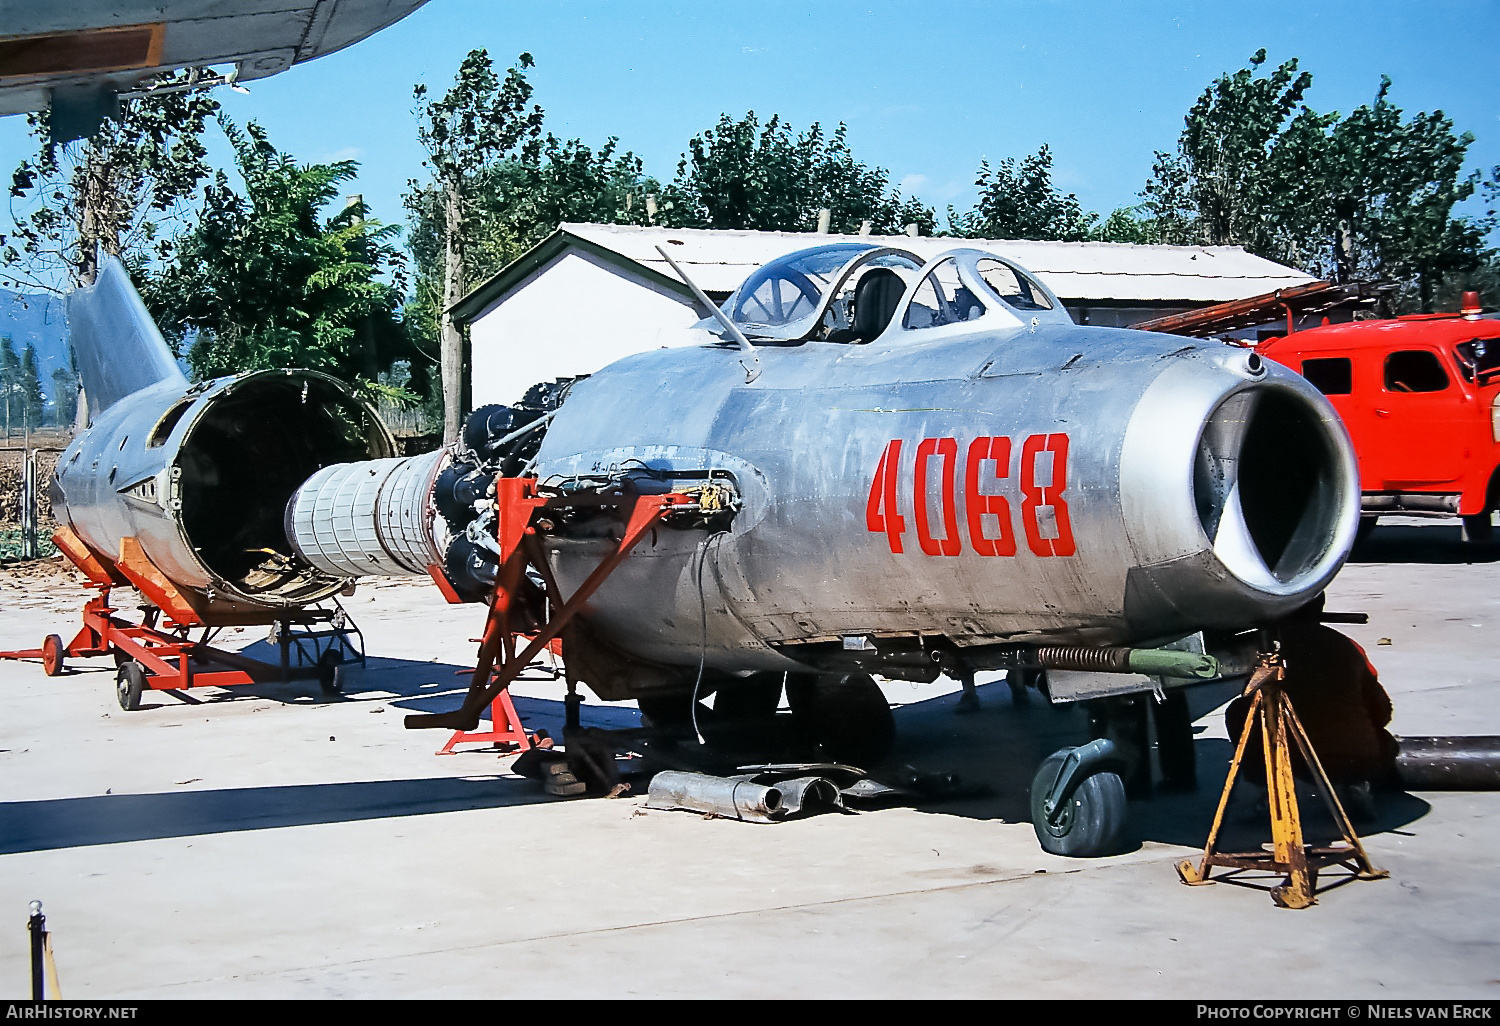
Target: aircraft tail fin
(119, 348)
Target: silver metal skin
(376, 517)
(1204, 488)
(199, 475)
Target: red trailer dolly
(157, 652)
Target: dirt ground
(267, 842)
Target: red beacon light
(1471, 308)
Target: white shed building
(590, 294)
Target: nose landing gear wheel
(1090, 821)
(130, 681)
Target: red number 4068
(1040, 503)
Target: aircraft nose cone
(1239, 490)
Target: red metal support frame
(505, 728)
(517, 504)
(171, 660)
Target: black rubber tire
(331, 671)
(743, 713)
(1094, 816)
(1478, 529)
(751, 698)
(665, 710)
(130, 683)
(845, 714)
(53, 652)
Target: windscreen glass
(782, 299)
(942, 299)
(1018, 290)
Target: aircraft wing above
(76, 58)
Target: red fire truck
(1420, 396)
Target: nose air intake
(1267, 487)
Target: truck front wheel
(1478, 529)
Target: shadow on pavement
(1001, 747)
(1439, 542)
(112, 819)
(995, 752)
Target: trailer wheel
(1091, 821)
(52, 655)
(130, 681)
(846, 714)
(331, 671)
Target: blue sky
(927, 89)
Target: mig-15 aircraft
(884, 467)
(902, 469)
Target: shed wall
(572, 316)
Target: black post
(38, 927)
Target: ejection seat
(875, 300)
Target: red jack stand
(505, 728)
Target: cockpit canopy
(855, 292)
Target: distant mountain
(37, 319)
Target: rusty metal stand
(1297, 862)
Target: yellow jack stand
(1288, 855)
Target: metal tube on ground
(1448, 763)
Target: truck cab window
(1478, 359)
(1331, 376)
(1414, 370)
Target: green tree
(481, 122)
(10, 382)
(1236, 170)
(514, 204)
(569, 182)
(122, 190)
(742, 175)
(266, 280)
(1367, 195)
(33, 399)
(64, 396)
(1388, 193)
(1017, 200)
(1166, 213)
(22, 387)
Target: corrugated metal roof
(719, 260)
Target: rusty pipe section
(1449, 763)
